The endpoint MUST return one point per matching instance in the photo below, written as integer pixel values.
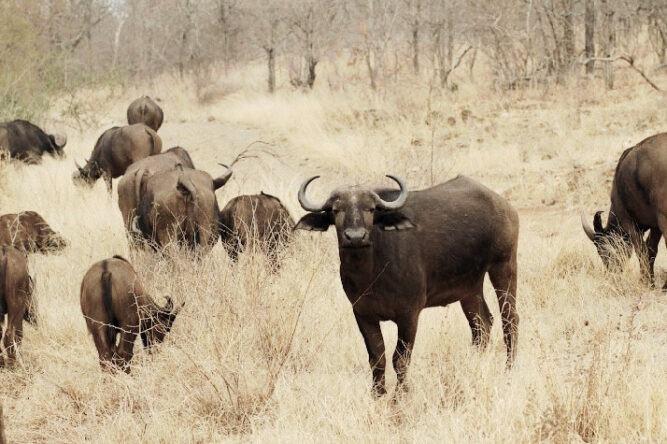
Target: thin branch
(630, 61)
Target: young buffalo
(259, 218)
(15, 299)
(115, 305)
(29, 232)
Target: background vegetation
(277, 357)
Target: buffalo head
(613, 245)
(354, 210)
(87, 174)
(160, 323)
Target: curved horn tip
(303, 200)
(400, 200)
(587, 228)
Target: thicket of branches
(50, 45)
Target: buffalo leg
(125, 350)
(407, 330)
(13, 335)
(503, 278)
(105, 349)
(652, 248)
(479, 318)
(370, 330)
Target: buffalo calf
(117, 309)
(15, 299)
(402, 251)
(260, 220)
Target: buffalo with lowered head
(402, 251)
(179, 206)
(29, 232)
(145, 110)
(114, 303)
(638, 205)
(27, 142)
(15, 299)
(117, 149)
(133, 181)
(260, 220)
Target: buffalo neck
(356, 269)
(613, 224)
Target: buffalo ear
(314, 222)
(393, 220)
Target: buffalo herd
(400, 250)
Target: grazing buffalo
(131, 184)
(15, 299)
(145, 110)
(638, 204)
(114, 304)
(402, 251)
(27, 142)
(115, 150)
(259, 218)
(180, 205)
(29, 232)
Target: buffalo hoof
(378, 391)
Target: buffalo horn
(220, 181)
(135, 225)
(587, 228)
(303, 200)
(400, 200)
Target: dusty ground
(267, 357)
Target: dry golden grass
(263, 357)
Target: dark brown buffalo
(29, 232)
(180, 206)
(402, 251)
(145, 110)
(27, 142)
(131, 184)
(638, 205)
(117, 149)
(15, 299)
(117, 308)
(259, 219)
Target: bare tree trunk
(415, 37)
(589, 50)
(568, 35)
(449, 23)
(116, 43)
(371, 68)
(311, 61)
(271, 60)
(607, 42)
